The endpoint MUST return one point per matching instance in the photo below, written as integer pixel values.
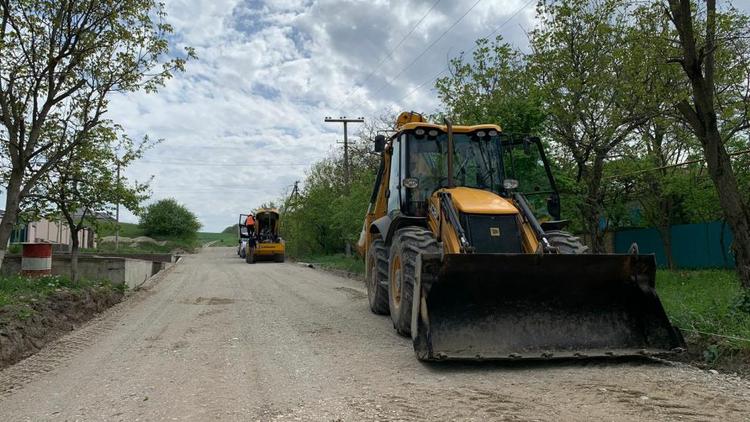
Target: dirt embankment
(24, 331)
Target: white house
(50, 232)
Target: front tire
(407, 245)
(566, 243)
(375, 277)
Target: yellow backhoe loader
(466, 251)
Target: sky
(245, 120)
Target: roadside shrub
(168, 218)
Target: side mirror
(553, 206)
(379, 143)
(527, 141)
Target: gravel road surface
(217, 339)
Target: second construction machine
(465, 250)
(264, 241)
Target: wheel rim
(396, 282)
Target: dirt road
(217, 339)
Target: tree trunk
(665, 231)
(593, 205)
(735, 212)
(10, 218)
(75, 247)
(703, 119)
(591, 217)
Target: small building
(54, 232)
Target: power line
(388, 55)
(215, 164)
(684, 163)
(434, 78)
(450, 28)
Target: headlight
(510, 184)
(481, 134)
(411, 182)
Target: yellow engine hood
(478, 201)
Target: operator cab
(483, 158)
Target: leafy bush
(168, 218)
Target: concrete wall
(132, 272)
(155, 257)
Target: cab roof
(443, 128)
(266, 210)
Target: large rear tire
(250, 256)
(407, 244)
(566, 243)
(376, 277)
(279, 257)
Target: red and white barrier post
(36, 259)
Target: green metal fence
(705, 245)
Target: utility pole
(345, 121)
(293, 196)
(117, 210)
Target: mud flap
(516, 306)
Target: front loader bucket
(514, 306)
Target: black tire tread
(379, 301)
(567, 243)
(413, 241)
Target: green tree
(85, 184)
(492, 87)
(168, 218)
(326, 215)
(594, 88)
(60, 62)
(713, 51)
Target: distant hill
(231, 229)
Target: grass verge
(21, 292)
(35, 311)
(706, 305)
(350, 264)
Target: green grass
(132, 230)
(353, 264)
(126, 230)
(708, 301)
(20, 292)
(219, 239)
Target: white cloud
(246, 119)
